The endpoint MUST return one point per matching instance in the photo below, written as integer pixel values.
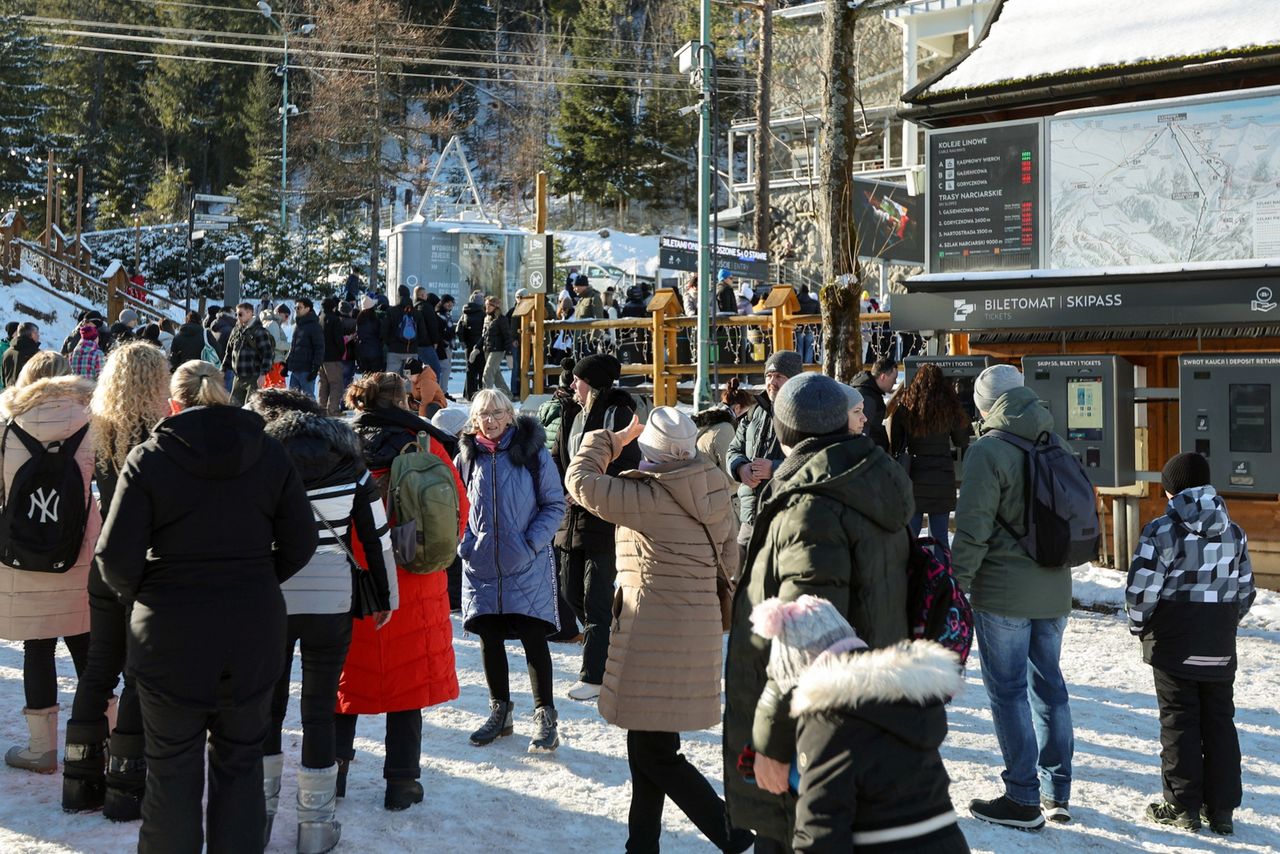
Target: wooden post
(116, 286)
(538, 382)
(672, 381)
(782, 303)
(48, 203)
(658, 307)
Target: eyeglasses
(495, 415)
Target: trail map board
(984, 198)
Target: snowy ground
(500, 798)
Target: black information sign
(676, 253)
(984, 198)
(539, 253)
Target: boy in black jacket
(1190, 583)
(867, 771)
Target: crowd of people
(219, 511)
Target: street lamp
(286, 109)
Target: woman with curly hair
(925, 422)
(131, 396)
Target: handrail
(67, 298)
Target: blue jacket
(507, 564)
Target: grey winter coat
(754, 439)
(326, 454)
(507, 565)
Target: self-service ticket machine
(1091, 400)
(961, 370)
(1227, 414)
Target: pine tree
(24, 139)
(258, 187)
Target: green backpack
(426, 509)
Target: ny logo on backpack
(39, 532)
(1060, 519)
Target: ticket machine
(1227, 414)
(1091, 400)
(961, 370)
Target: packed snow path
(499, 798)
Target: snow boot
(41, 753)
(1004, 811)
(318, 828)
(1055, 811)
(1163, 812)
(546, 736)
(498, 725)
(343, 766)
(1219, 821)
(84, 780)
(126, 778)
(272, 771)
(402, 794)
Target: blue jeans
(1029, 704)
(298, 380)
(938, 523)
(428, 357)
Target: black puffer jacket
(188, 344)
(754, 440)
(384, 432)
(933, 470)
(306, 351)
(208, 520)
(370, 355)
(612, 410)
(333, 328)
(873, 408)
(497, 335)
(869, 728)
(471, 326)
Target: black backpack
(43, 520)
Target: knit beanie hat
(992, 384)
(669, 435)
(1184, 471)
(812, 405)
(88, 332)
(450, 421)
(801, 631)
(566, 372)
(599, 370)
(367, 302)
(785, 362)
(128, 316)
(722, 275)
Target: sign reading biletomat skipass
(984, 198)
(676, 253)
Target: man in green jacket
(1020, 609)
(831, 523)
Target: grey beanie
(993, 383)
(450, 421)
(812, 405)
(128, 316)
(785, 362)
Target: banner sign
(676, 253)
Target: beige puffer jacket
(48, 604)
(664, 667)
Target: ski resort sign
(676, 253)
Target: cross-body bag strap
(341, 542)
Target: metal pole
(284, 138)
(702, 392)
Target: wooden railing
(659, 349)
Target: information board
(984, 198)
(676, 253)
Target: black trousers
(40, 670)
(659, 771)
(1199, 748)
(493, 631)
(176, 738)
(588, 578)
(475, 376)
(108, 649)
(454, 580)
(325, 639)
(403, 743)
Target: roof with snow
(1030, 43)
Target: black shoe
(498, 724)
(546, 736)
(1055, 811)
(1219, 821)
(402, 794)
(84, 780)
(1001, 810)
(126, 785)
(340, 790)
(1163, 812)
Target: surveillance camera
(684, 111)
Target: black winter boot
(126, 779)
(84, 768)
(402, 794)
(498, 724)
(341, 788)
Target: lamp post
(286, 109)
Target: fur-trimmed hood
(917, 673)
(324, 450)
(17, 401)
(523, 443)
(714, 415)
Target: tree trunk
(763, 223)
(837, 233)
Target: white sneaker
(584, 691)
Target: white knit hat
(367, 302)
(450, 421)
(669, 435)
(801, 631)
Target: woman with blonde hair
(132, 395)
(45, 413)
(208, 520)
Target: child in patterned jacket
(1190, 583)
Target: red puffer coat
(409, 663)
